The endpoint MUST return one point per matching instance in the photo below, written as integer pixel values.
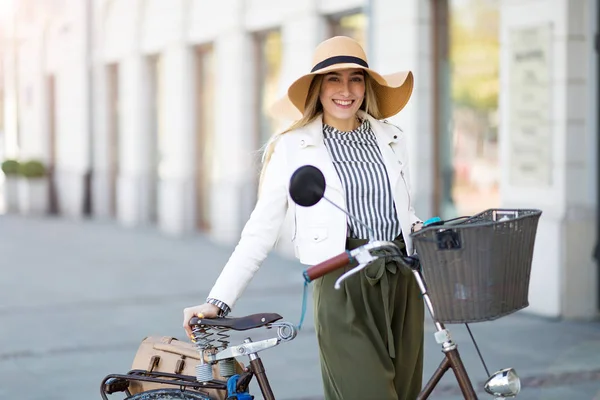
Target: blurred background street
(131, 134)
(77, 298)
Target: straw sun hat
(340, 52)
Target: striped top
(359, 164)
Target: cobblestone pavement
(77, 297)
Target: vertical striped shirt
(359, 164)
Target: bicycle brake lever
(347, 274)
(365, 258)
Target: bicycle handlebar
(330, 265)
(363, 255)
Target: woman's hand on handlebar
(416, 227)
(205, 310)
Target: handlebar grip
(317, 271)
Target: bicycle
(434, 243)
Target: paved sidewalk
(77, 297)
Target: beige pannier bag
(167, 354)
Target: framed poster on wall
(530, 106)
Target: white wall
(31, 101)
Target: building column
(177, 136)
(580, 286)
(101, 190)
(72, 86)
(402, 40)
(101, 185)
(547, 139)
(235, 129)
(134, 141)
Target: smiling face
(342, 93)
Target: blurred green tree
(474, 54)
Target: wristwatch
(223, 308)
(412, 227)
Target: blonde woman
(370, 332)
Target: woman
(370, 332)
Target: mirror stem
(371, 232)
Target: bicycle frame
(449, 348)
(258, 369)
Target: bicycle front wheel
(169, 394)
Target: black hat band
(340, 60)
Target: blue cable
(304, 296)
(431, 221)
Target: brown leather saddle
(237, 324)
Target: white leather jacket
(319, 231)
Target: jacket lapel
(386, 140)
(392, 150)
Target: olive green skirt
(370, 332)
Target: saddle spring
(202, 338)
(222, 337)
(211, 339)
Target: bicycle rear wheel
(169, 394)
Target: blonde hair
(313, 108)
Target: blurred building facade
(154, 112)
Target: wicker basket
(478, 269)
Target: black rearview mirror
(307, 186)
